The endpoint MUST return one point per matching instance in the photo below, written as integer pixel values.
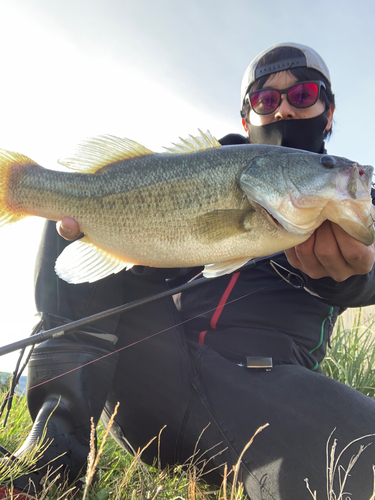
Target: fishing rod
(74, 325)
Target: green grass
(113, 474)
(351, 359)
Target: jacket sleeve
(356, 291)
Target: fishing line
(75, 325)
(153, 335)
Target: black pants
(211, 407)
(209, 403)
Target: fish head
(301, 190)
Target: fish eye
(327, 161)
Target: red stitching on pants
(201, 337)
(220, 307)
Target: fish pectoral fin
(220, 268)
(92, 154)
(192, 144)
(83, 262)
(221, 224)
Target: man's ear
(330, 113)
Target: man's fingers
(332, 252)
(328, 253)
(357, 255)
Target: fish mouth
(274, 220)
(295, 220)
(355, 220)
(271, 218)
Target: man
(198, 380)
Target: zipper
(329, 319)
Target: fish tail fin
(12, 169)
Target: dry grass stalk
(334, 468)
(313, 494)
(192, 484)
(194, 491)
(224, 483)
(93, 457)
(373, 487)
(233, 495)
(135, 463)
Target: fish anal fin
(92, 154)
(83, 262)
(221, 224)
(221, 268)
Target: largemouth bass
(197, 204)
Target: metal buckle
(259, 363)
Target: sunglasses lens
(303, 95)
(265, 102)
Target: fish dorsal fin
(192, 144)
(97, 152)
(83, 262)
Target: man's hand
(330, 251)
(68, 228)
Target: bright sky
(153, 70)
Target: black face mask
(307, 134)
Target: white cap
(309, 58)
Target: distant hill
(21, 387)
(22, 384)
